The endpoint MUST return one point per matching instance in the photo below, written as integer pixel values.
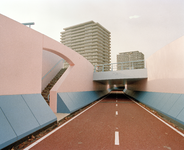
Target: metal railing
(130, 65)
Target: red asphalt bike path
(114, 123)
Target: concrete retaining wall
(163, 90)
(22, 108)
(169, 104)
(69, 102)
(22, 115)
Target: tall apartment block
(89, 39)
(130, 60)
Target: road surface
(113, 123)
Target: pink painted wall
(21, 63)
(20, 58)
(78, 77)
(165, 70)
(51, 65)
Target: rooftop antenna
(29, 24)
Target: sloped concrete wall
(169, 104)
(21, 75)
(69, 102)
(22, 115)
(163, 90)
(22, 108)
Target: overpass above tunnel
(120, 77)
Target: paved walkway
(60, 116)
(114, 123)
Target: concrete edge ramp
(169, 104)
(22, 115)
(68, 102)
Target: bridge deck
(120, 77)
(115, 122)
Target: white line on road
(116, 138)
(159, 118)
(116, 104)
(41, 139)
(116, 112)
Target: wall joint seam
(30, 110)
(9, 123)
(174, 103)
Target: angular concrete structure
(22, 108)
(24, 111)
(163, 89)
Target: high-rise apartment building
(130, 60)
(89, 39)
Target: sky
(135, 25)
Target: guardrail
(130, 65)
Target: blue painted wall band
(69, 102)
(169, 104)
(22, 115)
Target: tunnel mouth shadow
(117, 98)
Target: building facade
(89, 39)
(130, 60)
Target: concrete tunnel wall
(163, 90)
(22, 108)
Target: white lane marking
(116, 104)
(116, 100)
(41, 139)
(116, 112)
(159, 119)
(116, 138)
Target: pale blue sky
(144, 25)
